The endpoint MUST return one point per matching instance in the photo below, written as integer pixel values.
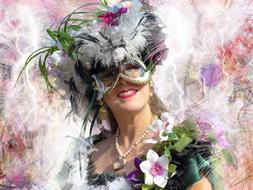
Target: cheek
(144, 94)
(110, 99)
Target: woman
(130, 105)
(107, 63)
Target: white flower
(168, 121)
(160, 127)
(156, 131)
(155, 169)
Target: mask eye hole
(134, 70)
(109, 76)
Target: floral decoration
(111, 18)
(160, 128)
(159, 165)
(155, 169)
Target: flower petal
(158, 123)
(133, 176)
(152, 156)
(162, 137)
(137, 162)
(165, 116)
(150, 141)
(145, 166)
(160, 181)
(171, 120)
(163, 161)
(149, 180)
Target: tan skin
(133, 115)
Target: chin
(131, 107)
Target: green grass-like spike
(52, 34)
(65, 19)
(93, 120)
(44, 73)
(86, 113)
(30, 58)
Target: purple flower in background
(122, 11)
(205, 128)
(211, 74)
(211, 127)
(134, 177)
(221, 138)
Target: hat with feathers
(93, 38)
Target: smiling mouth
(127, 93)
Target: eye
(134, 71)
(109, 76)
(131, 66)
(111, 72)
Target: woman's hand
(203, 184)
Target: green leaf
(172, 168)
(182, 143)
(146, 187)
(188, 128)
(211, 138)
(78, 20)
(52, 34)
(103, 2)
(167, 153)
(228, 156)
(64, 35)
(34, 54)
(65, 40)
(73, 27)
(172, 137)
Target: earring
(151, 85)
(103, 114)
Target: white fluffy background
(194, 29)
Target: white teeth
(126, 93)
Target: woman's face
(127, 97)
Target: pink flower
(155, 169)
(17, 175)
(111, 18)
(211, 126)
(13, 145)
(108, 18)
(160, 128)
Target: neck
(132, 125)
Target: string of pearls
(135, 144)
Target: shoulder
(202, 184)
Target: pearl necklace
(119, 162)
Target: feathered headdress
(89, 42)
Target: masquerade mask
(131, 71)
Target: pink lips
(125, 94)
